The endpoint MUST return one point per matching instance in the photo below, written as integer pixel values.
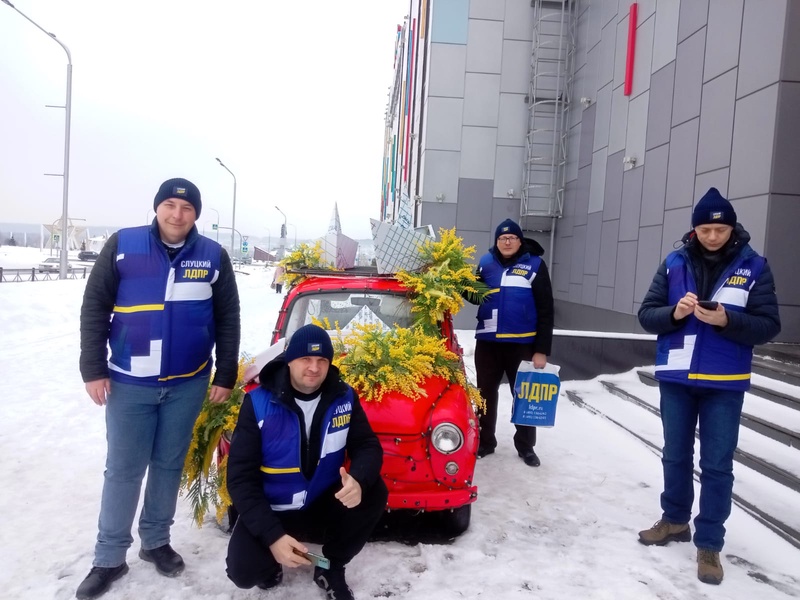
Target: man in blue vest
(515, 323)
(710, 302)
(160, 297)
(286, 473)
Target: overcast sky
(290, 96)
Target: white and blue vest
(284, 483)
(162, 328)
(508, 312)
(696, 354)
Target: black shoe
(99, 580)
(529, 458)
(484, 451)
(334, 584)
(273, 581)
(167, 561)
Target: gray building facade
(715, 101)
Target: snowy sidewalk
(566, 530)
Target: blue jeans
(718, 412)
(147, 429)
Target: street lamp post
(235, 231)
(233, 218)
(282, 244)
(68, 118)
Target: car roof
(359, 278)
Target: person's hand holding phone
(289, 552)
(711, 312)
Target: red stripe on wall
(632, 18)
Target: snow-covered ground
(566, 530)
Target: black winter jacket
(245, 483)
(101, 295)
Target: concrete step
(788, 372)
(780, 393)
(770, 502)
(778, 463)
(788, 353)
(779, 421)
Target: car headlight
(447, 438)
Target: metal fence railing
(32, 274)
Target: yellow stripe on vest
(273, 471)
(195, 372)
(138, 308)
(516, 335)
(705, 377)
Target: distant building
(263, 255)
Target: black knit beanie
(713, 209)
(309, 340)
(179, 188)
(508, 227)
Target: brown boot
(663, 532)
(709, 569)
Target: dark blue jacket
(691, 352)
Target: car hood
(398, 414)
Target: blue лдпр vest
(697, 354)
(508, 312)
(162, 329)
(284, 483)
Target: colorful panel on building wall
(450, 21)
(410, 96)
(404, 215)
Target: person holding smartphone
(710, 302)
(287, 475)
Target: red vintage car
(430, 444)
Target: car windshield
(346, 309)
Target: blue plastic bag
(536, 395)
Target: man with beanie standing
(710, 302)
(515, 323)
(160, 297)
(286, 473)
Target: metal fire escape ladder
(548, 99)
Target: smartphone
(708, 304)
(316, 559)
